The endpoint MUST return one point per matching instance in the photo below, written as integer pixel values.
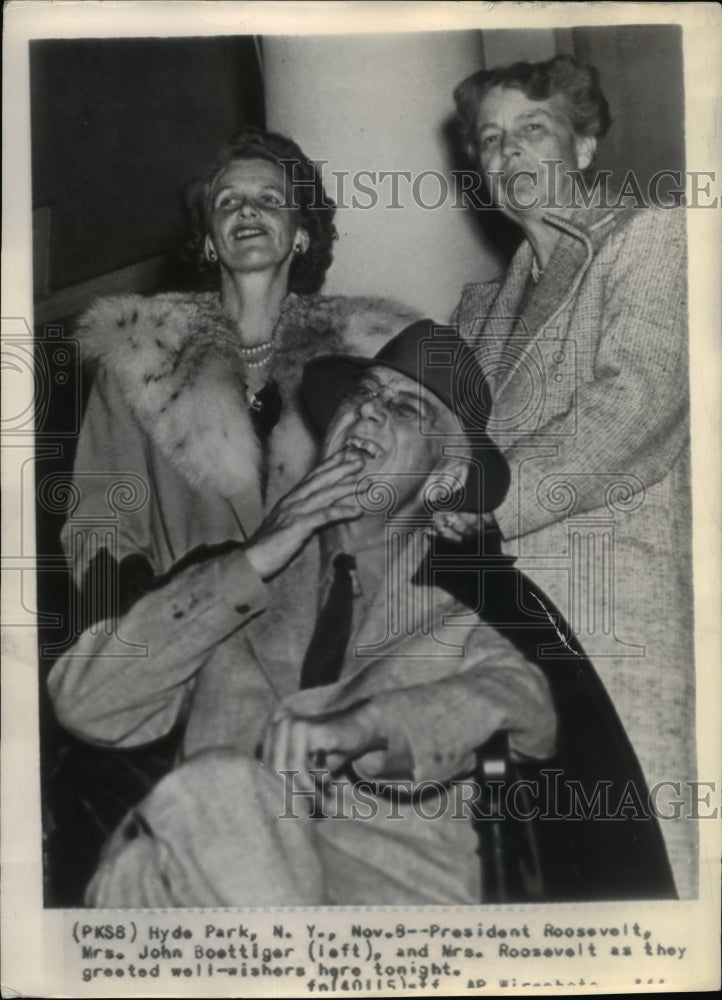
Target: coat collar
(523, 309)
(175, 360)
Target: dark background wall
(118, 127)
(642, 77)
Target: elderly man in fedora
(326, 750)
(391, 687)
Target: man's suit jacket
(229, 665)
(452, 665)
(446, 683)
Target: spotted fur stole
(175, 357)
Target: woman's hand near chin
(326, 494)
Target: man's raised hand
(326, 494)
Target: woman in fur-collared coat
(193, 425)
(584, 342)
(193, 429)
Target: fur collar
(176, 360)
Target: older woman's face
(251, 224)
(526, 149)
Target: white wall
(503, 46)
(380, 103)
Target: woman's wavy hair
(306, 193)
(578, 82)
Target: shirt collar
(371, 559)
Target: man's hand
(327, 494)
(330, 741)
(457, 525)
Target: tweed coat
(589, 375)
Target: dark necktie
(327, 648)
(265, 410)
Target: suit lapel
(544, 300)
(395, 611)
(280, 636)
(491, 331)
(399, 614)
(399, 627)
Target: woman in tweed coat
(585, 344)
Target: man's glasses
(408, 407)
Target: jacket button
(243, 609)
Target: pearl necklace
(249, 353)
(267, 345)
(259, 364)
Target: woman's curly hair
(306, 193)
(577, 82)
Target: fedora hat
(436, 357)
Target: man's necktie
(327, 648)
